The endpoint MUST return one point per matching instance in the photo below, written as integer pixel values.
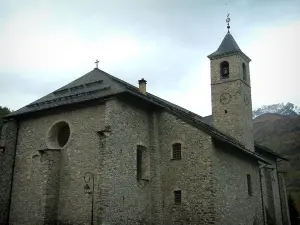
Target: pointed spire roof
(227, 47)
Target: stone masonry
(237, 119)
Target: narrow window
(139, 163)
(177, 197)
(224, 69)
(244, 72)
(2, 149)
(176, 151)
(142, 163)
(249, 184)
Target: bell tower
(231, 91)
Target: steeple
(231, 91)
(228, 46)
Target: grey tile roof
(99, 84)
(92, 85)
(228, 46)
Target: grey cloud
(186, 31)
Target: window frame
(176, 151)
(177, 197)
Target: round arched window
(59, 134)
(224, 69)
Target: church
(102, 151)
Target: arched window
(176, 154)
(224, 69)
(244, 72)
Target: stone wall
(192, 174)
(38, 167)
(123, 198)
(233, 204)
(9, 139)
(231, 100)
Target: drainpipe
(13, 170)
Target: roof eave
(217, 55)
(269, 151)
(43, 111)
(204, 127)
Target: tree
(293, 211)
(288, 109)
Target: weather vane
(97, 61)
(228, 21)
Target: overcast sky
(45, 44)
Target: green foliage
(288, 109)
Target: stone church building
(102, 151)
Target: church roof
(227, 47)
(98, 84)
(258, 147)
(92, 85)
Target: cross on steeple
(97, 61)
(227, 21)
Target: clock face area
(225, 98)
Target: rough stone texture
(36, 187)
(237, 121)
(233, 205)
(123, 198)
(49, 186)
(9, 139)
(192, 174)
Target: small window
(2, 149)
(224, 69)
(139, 154)
(177, 197)
(244, 72)
(249, 184)
(176, 151)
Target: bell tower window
(244, 72)
(224, 69)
